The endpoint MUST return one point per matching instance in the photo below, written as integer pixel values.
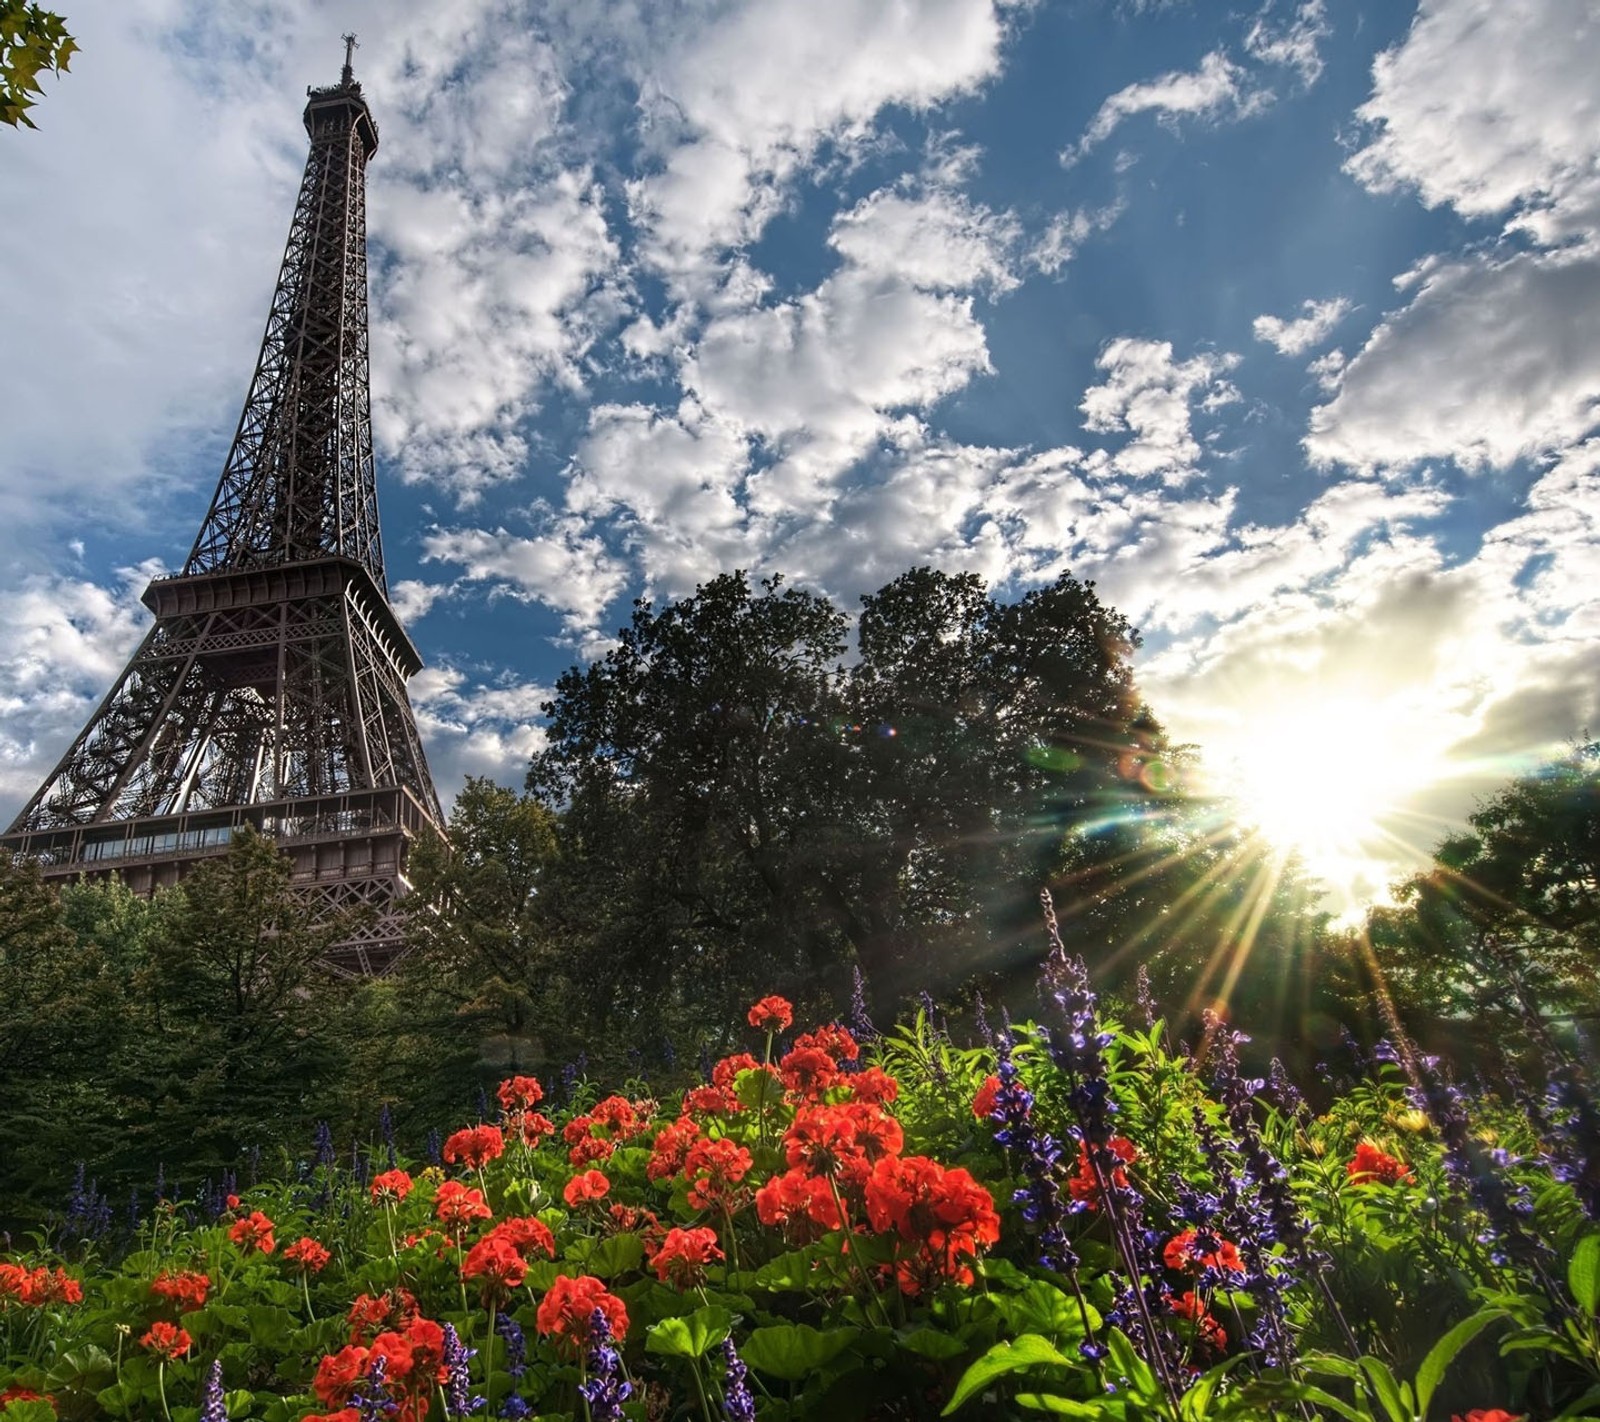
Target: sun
(1326, 781)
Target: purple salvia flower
(980, 1018)
(213, 1406)
(1575, 1136)
(738, 1402)
(434, 1148)
(371, 1397)
(606, 1389)
(458, 1398)
(324, 1144)
(1282, 1092)
(1144, 997)
(669, 1055)
(516, 1344)
(860, 1022)
(1039, 1156)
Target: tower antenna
(350, 47)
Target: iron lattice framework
(272, 688)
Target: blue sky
(1280, 321)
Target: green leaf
(692, 1336)
(1060, 1406)
(1443, 1353)
(40, 1411)
(1387, 1388)
(932, 1343)
(621, 1254)
(792, 1350)
(1576, 1410)
(1130, 1364)
(1043, 1308)
(1028, 1351)
(1583, 1273)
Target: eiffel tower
(271, 690)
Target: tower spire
(348, 76)
(271, 690)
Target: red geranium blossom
(808, 1072)
(566, 1310)
(801, 1204)
(496, 1262)
(373, 1313)
(23, 1394)
(1487, 1414)
(310, 1256)
(1372, 1165)
(52, 1286)
(166, 1340)
(254, 1231)
(1181, 1252)
(581, 1189)
(1208, 1333)
(622, 1118)
(519, 1093)
(338, 1373)
(392, 1185)
(773, 1014)
(712, 1101)
(533, 1126)
(945, 1212)
(833, 1039)
(873, 1087)
(1084, 1187)
(457, 1206)
(713, 1168)
(671, 1148)
(983, 1102)
(474, 1147)
(683, 1256)
(525, 1234)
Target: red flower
(166, 1340)
(589, 1150)
(726, 1072)
(497, 1263)
(338, 1374)
(713, 1168)
(671, 1148)
(1208, 1333)
(310, 1256)
(525, 1234)
(832, 1039)
(566, 1310)
(945, 1212)
(254, 1232)
(533, 1126)
(1181, 1252)
(774, 1014)
(427, 1351)
(1487, 1414)
(344, 1414)
(808, 1072)
(799, 1203)
(1372, 1165)
(1084, 1187)
(50, 1286)
(683, 1256)
(370, 1314)
(873, 1087)
(620, 1116)
(392, 1185)
(841, 1142)
(983, 1102)
(23, 1394)
(475, 1147)
(712, 1101)
(581, 1189)
(457, 1206)
(519, 1093)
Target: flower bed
(1073, 1220)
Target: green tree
(1503, 928)
(33, 41)
(483, 991)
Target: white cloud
(1068, 231)
(63, 641)
(1149, 395)
(477, 726)
(741, 96)
(1294, 44)
(1219, 88)
(1494, 360)
(1488, 105)
(1294, 336)
(564, 567)
(937, 240)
